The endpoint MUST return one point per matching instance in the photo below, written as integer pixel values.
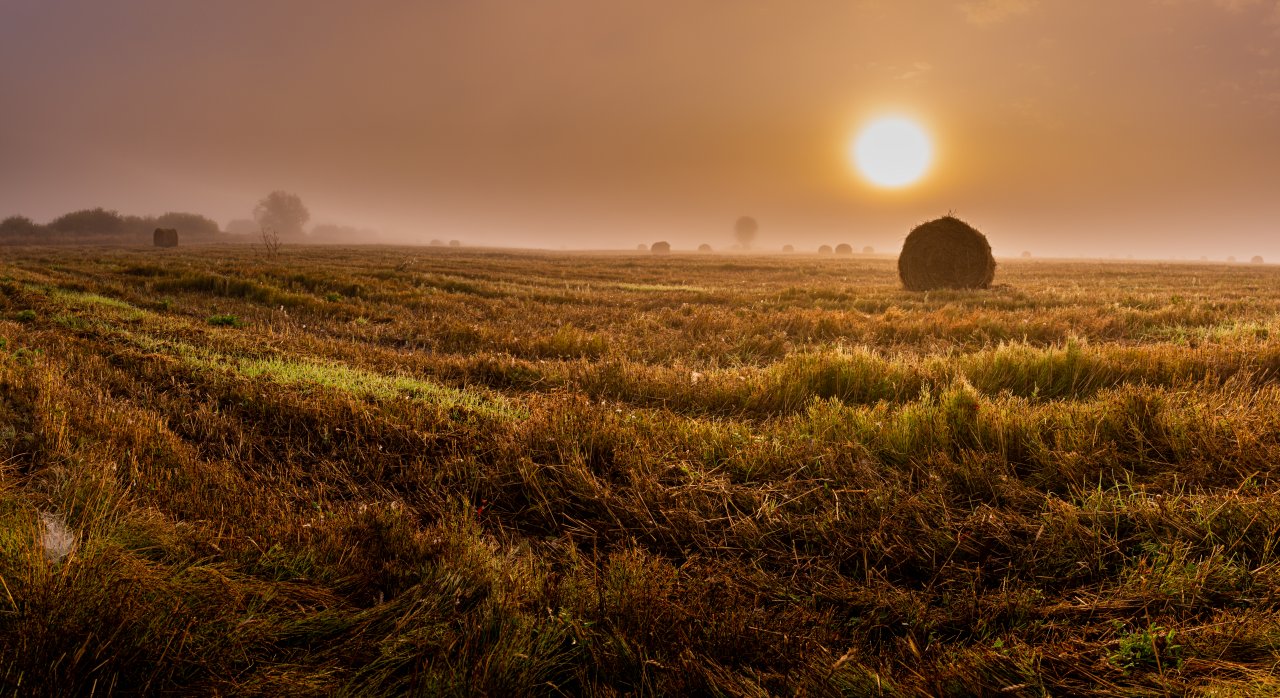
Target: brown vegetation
(222, 474)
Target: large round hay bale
(165, 237)
(1257, 259)
(660, 248)
(825, 249)
(946, 253)
(704, 247)
(844, 248)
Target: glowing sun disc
(892, 152)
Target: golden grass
(498, 473)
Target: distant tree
(89, 221)
(455, 243)
(437, 243)
(19, 228)
(140, 227)
(788, 248)
(744, 231)
(242, 226)
(704, 247)
(283, 213)
(189, 224)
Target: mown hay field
(459, 472)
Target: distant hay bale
(1026, 254)
(844, 248)
(165, 237)
(642, 247)
(788, 248)
(660, 248)
(825, 249)
(1257, 259)
(868, 250)
(704, 247)
(946, 253)
(1231, 259)
(436, 243)
(455, 243)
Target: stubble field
(460, 472)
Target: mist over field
(1067, 129)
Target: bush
(188, 224)
(15, 227)
(90, 221)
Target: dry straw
(946, 253)
(165, 237)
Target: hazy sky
(1146, 127)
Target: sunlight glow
(892, 152)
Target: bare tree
(270, 242)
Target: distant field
(459, 472)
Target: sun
(892, 152)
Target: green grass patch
(225, 321)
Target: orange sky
(1144, 127)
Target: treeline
(102, 225)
